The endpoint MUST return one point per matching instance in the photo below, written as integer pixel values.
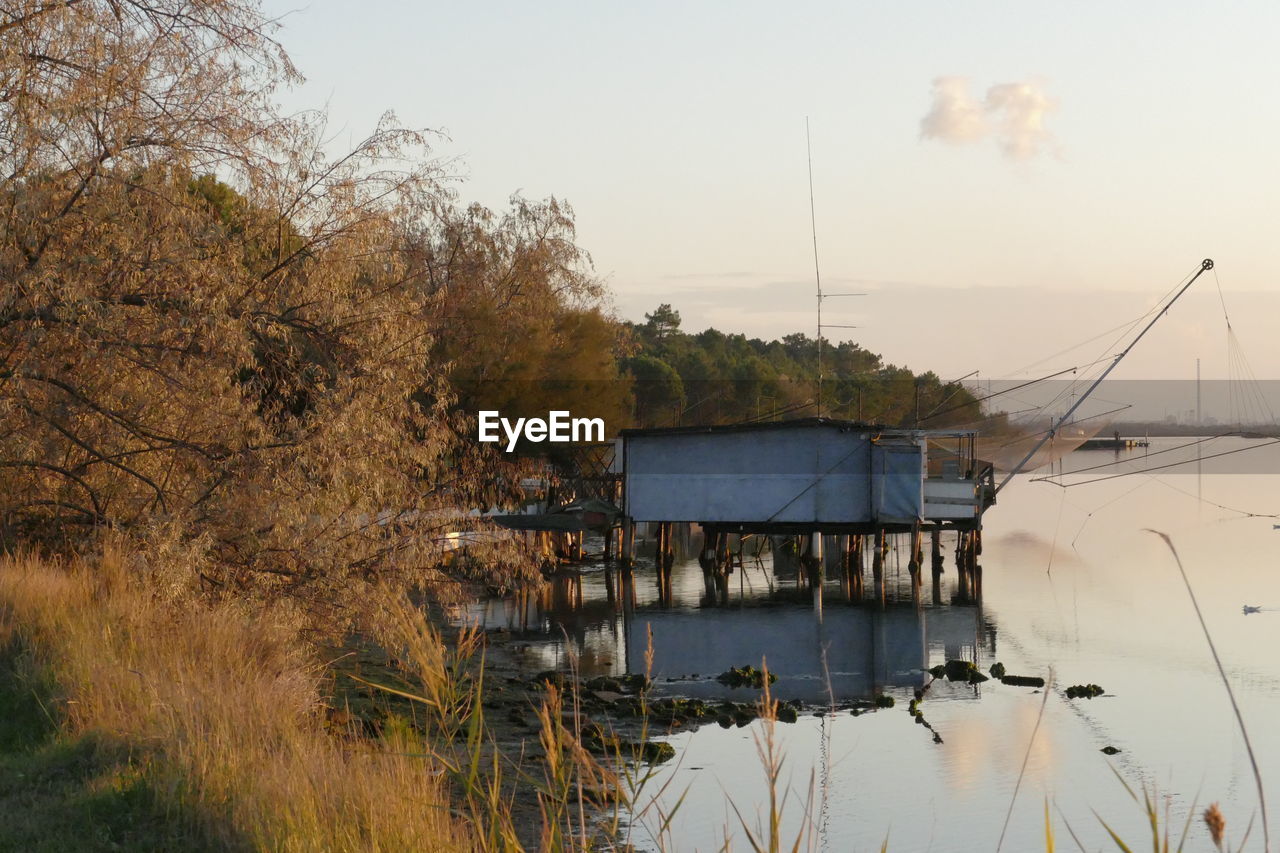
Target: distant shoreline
(1161, 430)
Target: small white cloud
(1013, 113)
(955, 116)
(1019, 110)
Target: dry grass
(216, 711)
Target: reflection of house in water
(865, 650)
(559, 623)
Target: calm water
(1073, 584)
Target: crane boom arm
(1205, 265)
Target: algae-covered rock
(744, 676)
(657, 751)
(1083, 691)
(997, 670)
(634, 682)
(960, 670)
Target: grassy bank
(129, 721)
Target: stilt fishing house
(804, 476)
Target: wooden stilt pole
(858, 567)
(722, 566)
(977, 567)
(707, 561)
(877, 565)
(914, 565)
(628, 545)
(846, 566)
(813, 558)
(818, 569)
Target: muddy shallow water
(1073, 586)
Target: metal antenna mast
(817, 276)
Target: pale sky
(1077, 161)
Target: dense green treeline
(718, 377)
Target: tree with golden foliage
(227, 363)
(523, 327)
